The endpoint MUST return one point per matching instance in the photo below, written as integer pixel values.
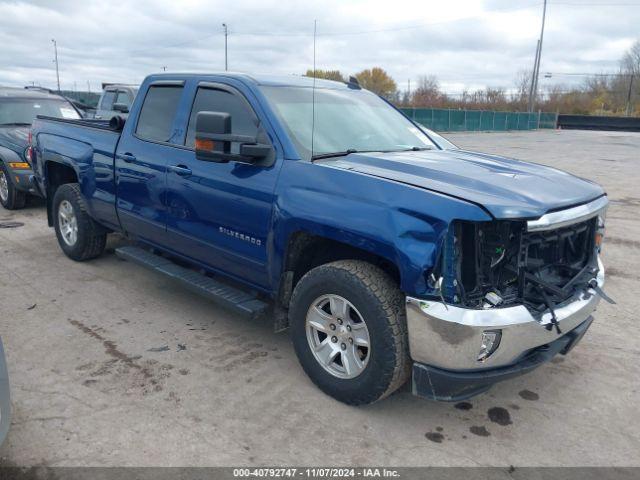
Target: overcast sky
(464, 43)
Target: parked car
(18, 108)
(387, 257)
(116, 99)
(5, 397)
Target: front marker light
(600, 232)
(489, 344)
(19, 165)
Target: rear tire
(372, 298)
(10, 197)
(79, 236)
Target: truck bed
(88, 148)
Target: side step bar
(225, 295)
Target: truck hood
(505, 187)
(14, 136)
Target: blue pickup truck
(391, 260)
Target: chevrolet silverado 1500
(390, 259)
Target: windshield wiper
(15, 124)
(334, 154)
(417, 149)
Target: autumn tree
(327, 74)
(378, 81)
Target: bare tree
(427, 93)
(631, 60)
(523, 84)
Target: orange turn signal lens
(204, 144)
(599, 239)
(19, 165)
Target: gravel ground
(92, 383)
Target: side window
(123, 97)
(157, 114)
(107, 100)
(243, 119)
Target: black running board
(221, 293)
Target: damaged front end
(507, 296)
(501, 264)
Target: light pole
(536, 64)
(55, 50)
(226, 34)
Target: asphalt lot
(89, 389)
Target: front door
(219, 214)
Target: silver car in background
(116, 99)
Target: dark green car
(18, 109)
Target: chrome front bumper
(449, 337)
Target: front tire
(349, 331)
(10, 197)
(79, 236)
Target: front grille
(513, 266)
(557, 263)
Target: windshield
(345, 120)
(23, 111)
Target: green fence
(448, 120)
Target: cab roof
(257, 79)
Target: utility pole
(629, 95)
(226, 34)
(536, 65)
(533, 76)
(409, 90)
(55, 50)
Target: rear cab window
(158, 112)
(123, 98)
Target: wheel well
(57, 174)
(306, 251)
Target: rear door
(146, 147)
(219, 214)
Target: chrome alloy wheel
(4, 187)
(68, 223)
(338, 336)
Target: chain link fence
(448, 120)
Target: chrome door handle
(180, 170)
(127, 157)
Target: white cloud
(465, 43)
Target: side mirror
(120, 107)
(214, 141)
